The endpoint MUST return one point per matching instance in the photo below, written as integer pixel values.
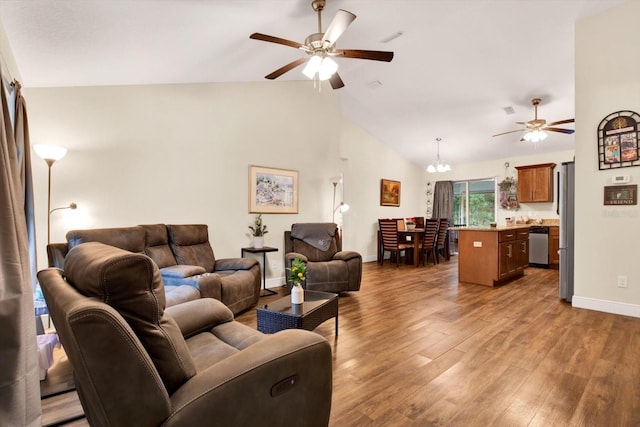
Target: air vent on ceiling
(374, 84)
(509, 110)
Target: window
(474, 202)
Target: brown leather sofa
(329, 268)
(186, 260)
(137, 363)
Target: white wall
(607, 237)
(180, 154)
(367, 162)
(496, 168)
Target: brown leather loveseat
(138, 364)
(185, 258)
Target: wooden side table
(263, 250)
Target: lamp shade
(49, 152)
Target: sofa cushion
(157, 245)
(190, 245)
(130, 239)
(181, 271)
(175, 295)
(131, 283)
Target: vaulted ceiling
(458, 63)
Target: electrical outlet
(622, 281)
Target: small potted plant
(297, 275)
(411, 223)
(258, 230)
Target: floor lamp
(342, 206)
(51, 154)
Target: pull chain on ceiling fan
(320, 48)
(536, 128)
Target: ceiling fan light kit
(438, 166)
(320, 46)
(535, 136)
(536, 128)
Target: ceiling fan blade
(511, 131)
(336, 81)
(277, 40)
(374, 55)
(561, 122)
(290, 66)
(567, 131)
(338, 26)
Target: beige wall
(180, 154)
(496, 168)
(607, 237)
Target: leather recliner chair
(329, 268)
(136, 363)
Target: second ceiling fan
(537, 127)
(320, 48)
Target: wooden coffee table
(281, 314)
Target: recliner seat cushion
(131, 283)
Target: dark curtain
(19, 372)
(443, 200)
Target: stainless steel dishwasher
(539, 246)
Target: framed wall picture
(620, 195)
(389, 192)
(618, 135)
(273, 190)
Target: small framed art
(389, 192)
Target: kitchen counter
(492, 255)
(485, 228)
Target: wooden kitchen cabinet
(535, 183)
(554, 245)
(491, 256)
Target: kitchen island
(492, 256)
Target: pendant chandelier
(438, 165)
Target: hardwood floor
(417, 348)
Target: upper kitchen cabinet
(535, 183)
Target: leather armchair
(136, 363)
(329, 268)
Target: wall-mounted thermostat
(621, 179)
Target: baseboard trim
(613, 307)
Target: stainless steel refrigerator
(566, 202)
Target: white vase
(297, 295)
(258, 242)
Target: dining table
(415, 236)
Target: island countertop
(487, 228)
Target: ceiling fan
(320, 47)
(536, 128)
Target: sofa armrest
(235, 264)
(346, 255)
(290, 256)
(287, 377)
(199, 315)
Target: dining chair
(390, 242)
(441, 241)
(429, 240)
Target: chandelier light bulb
(438, 166)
